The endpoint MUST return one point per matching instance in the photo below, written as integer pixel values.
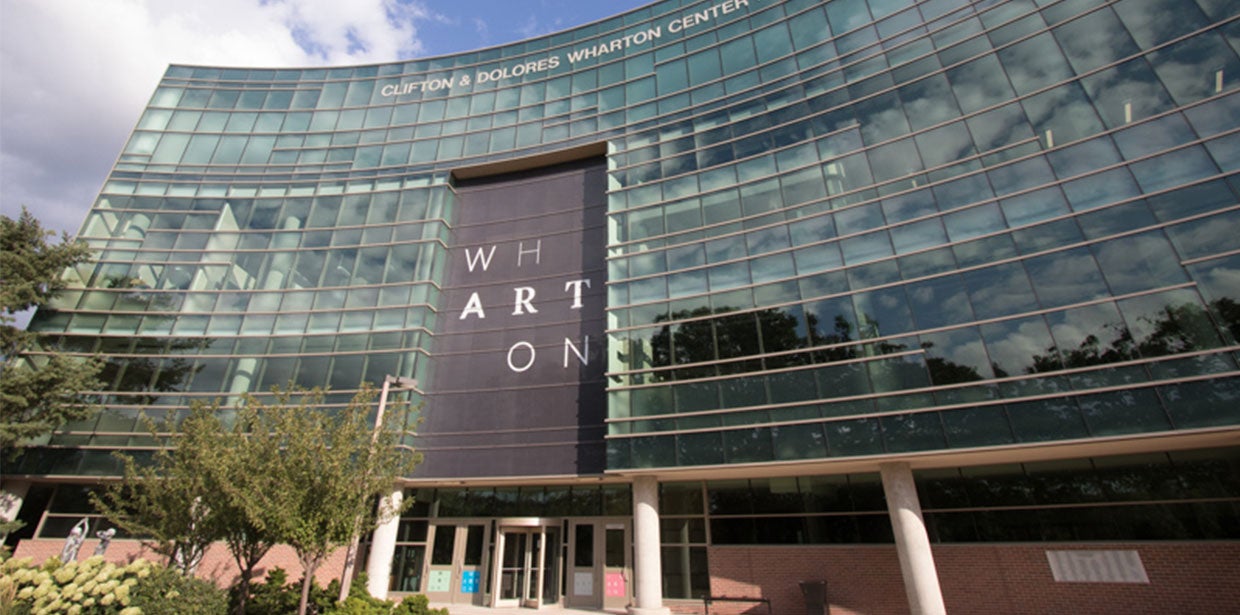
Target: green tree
(194, 492)
(331, 468)
(172, 501)
(40, 388)
(239, 464)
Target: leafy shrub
(417, 605)
(276, 595)
(96, 587)
(90, 586)
(360, 602)
(168, 592)
(272, 596)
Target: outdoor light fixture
(389, 382)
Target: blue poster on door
(469, 582)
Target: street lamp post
(350, 558)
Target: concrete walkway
(468, 609)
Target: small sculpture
(105, 539)
(74, 541)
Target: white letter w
(475, 258)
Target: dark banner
(517, 387)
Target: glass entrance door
(616, 566)
(456, 563)
(520, 567)
(529, 567)
(599, 567)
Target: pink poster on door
(613, 585)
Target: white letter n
(581, 355)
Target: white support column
(383, 546)
(648, 569)
(921, 579)
(12, 494)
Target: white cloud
(532, 27)
(483, 30)
(75, 74)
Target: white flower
(65, 574)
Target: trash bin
(815, 593)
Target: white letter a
(474, 306)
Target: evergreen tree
(40, 388)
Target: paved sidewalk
(467, 609)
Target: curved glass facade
(955, 226)
(833, 229)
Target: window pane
(1066, 277)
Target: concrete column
(383, 546)
(12, 494)
(921, 580)
(245, 369)
(648, 569)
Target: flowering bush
(94, 587)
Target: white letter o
(528, 364)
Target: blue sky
(75, 74)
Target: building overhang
(925, 460)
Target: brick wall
(976, 579)
(217, 564)
(1012, 579)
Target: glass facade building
(755, 249)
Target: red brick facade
(217, 565)
(1008, 579)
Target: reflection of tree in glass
(1227, 310)
(701, 339)
(943, 371)
(840, 334)
(152, 366)
(1178, 328)
(152, 374)
(728, 336)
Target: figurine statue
(74, 541)
(105, 539)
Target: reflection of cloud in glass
(962, 347)
(1075, 327)
(1127, 93)
(1004, 291)
(1156, 21)
(1066, 277)
(1224, 278)
(1138, 263)
(999, 127)
(944, 144)
(1213, 235)
(1014, 352)
(1187, 68)
(980, 83)
(1094, 40)
(929, 101)
(1034, 63)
